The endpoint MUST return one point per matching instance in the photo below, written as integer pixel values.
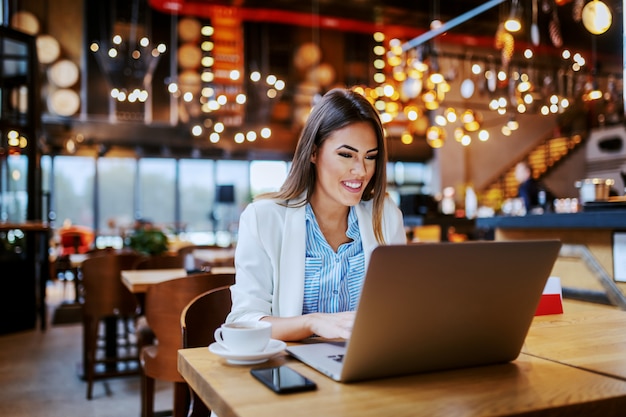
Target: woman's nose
(359, 166)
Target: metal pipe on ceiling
(424, 37)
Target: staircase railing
(542, 158)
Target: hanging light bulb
(513, 23)
(597, 17)
(435, 136)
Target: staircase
(547, 154)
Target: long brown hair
(337, 109)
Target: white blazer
(270, 256)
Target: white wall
(605, 163)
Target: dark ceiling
(406, 19)
(417, 15)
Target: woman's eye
(371, 157)
(345, 155)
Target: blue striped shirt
(332, 281)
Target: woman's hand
(326, 325)
(332, 325)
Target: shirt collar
(353, 221)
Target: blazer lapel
(292, 257)
(367, 233)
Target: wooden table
(214, 256)
(76, 259)
(593, 339)
(138, 280)
(573, 364)
(527, 386)
(222, 270)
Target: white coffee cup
(244, 336)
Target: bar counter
(25, 270)
(607, 219)
(586, 262)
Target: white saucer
(273, 348)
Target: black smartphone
(283, 379)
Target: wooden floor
(39, 375)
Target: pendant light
(596, 17)
(513, 23)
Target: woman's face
(344, 164)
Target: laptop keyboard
(338, 358)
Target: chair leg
(181, 399)
(147, 396)
(85, 347)
(90, 329)
(87, 357)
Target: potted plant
(148, 240)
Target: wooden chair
(186, 250)
(107, 300)
(199, 265)
(160, 262)
(163, 306)
(164, 261)
(198, 322)
(72, 239)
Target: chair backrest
(103, 251)
(104, 292)
(185, 250)
(163, 306)
(160, 262)
(203, 315)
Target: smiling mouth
(353, 185)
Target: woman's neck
(329, 212)
(333, 222)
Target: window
(266, 176)
(233, 173)
(157, 191)
(14, 194)
(197, 188)
(74, 190)
(116, 186)
(130, 189)
(46, 192)
(413, 175)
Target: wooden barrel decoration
(64, 102)
(322, 74)
(189, 29)
(189, 81)
(25, 22)
(63, 73)
(306, 56)
(189, 56)
(48, 49)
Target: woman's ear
(313, 158)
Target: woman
(302, 252)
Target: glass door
(19, 123)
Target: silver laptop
(429, 307)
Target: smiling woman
(302, 251)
